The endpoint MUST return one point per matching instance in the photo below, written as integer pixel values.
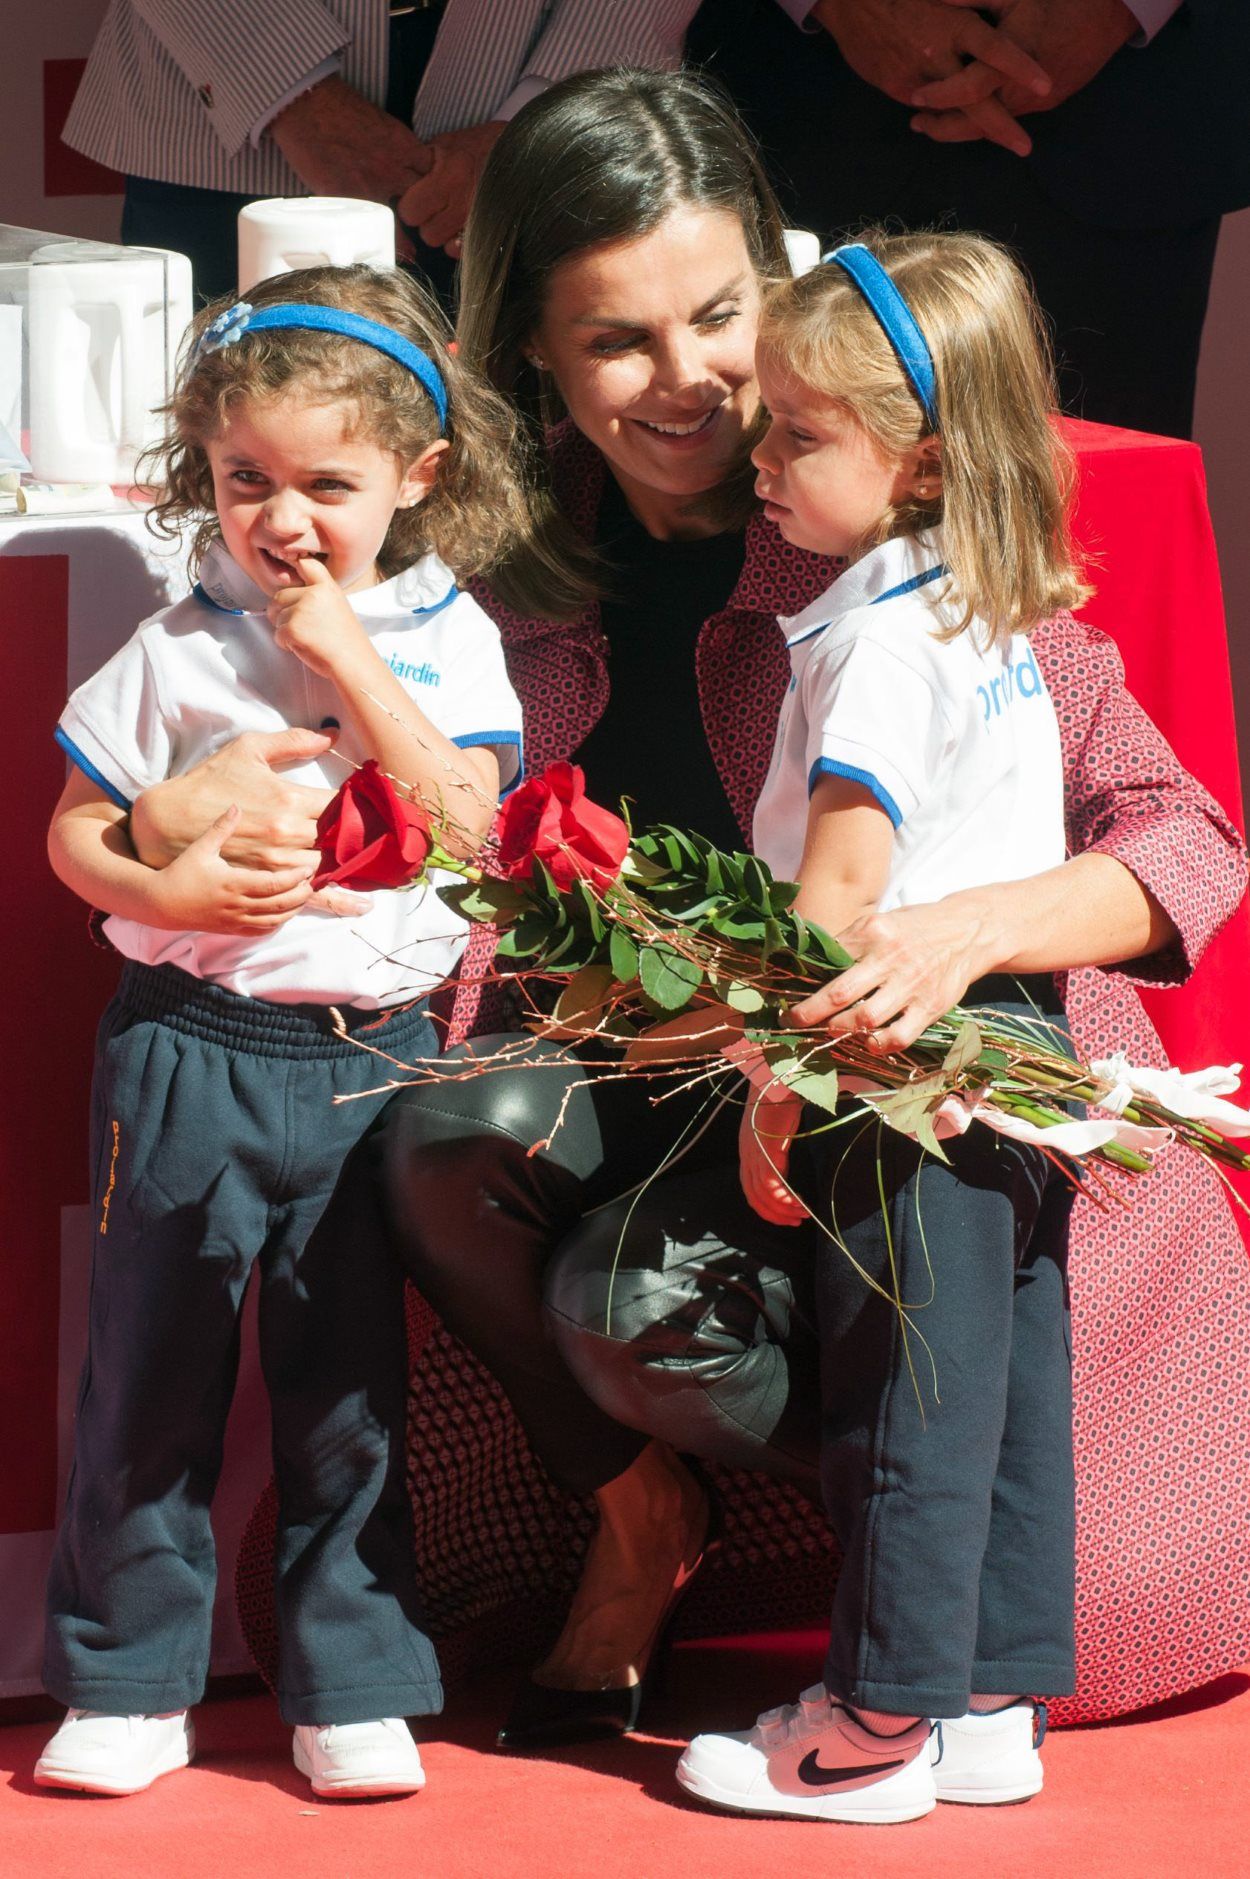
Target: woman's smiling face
(651, 343)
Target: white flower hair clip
(226, 330)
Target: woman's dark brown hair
(602, 157)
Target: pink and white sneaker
(990, 1761)
(813, 1759)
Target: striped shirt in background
(174, 88)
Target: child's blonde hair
(1006, 473)
(474, 512)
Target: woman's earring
(539, 365)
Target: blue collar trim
(909, 587)
(201, 593)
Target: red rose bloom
(550, 819)
(370, 835)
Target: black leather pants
(711, 1348)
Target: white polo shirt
(957, 740)
(198, 673)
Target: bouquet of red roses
(684, 961)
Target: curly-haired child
(337, 459)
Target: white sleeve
(479, 705)
(240, 57)
(875, 720)
(115, 728)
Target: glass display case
(89, 337)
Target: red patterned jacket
(1161, 1291)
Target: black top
(649, 744)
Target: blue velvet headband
(229, 327)
(895, 318)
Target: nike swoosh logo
(812, 1775)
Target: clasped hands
(342, 145)
(970, 77)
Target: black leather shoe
(541, 1715)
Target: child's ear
(421, 475)
(923, 470)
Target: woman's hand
(201, 892)
(911, 966)
(277, 821)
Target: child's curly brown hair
(473, 515)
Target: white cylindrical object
(802, 250)
(104, 335)
(284, 233)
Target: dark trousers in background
(216, 1149)
(1126, 305)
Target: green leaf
(927, 1139)
(623, 954)
(678, 904)
(554, 953)
(965, 1050)
(497, 903)
(583, 901)
(527, 937)
(641, 865)
(825, 944)
(740, 996)
(802, 1073)
(737, 925)
(774, 940)
(668, 980)
(756, 881)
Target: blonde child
(336, 459)
(918, 754)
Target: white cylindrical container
(802, 249)
(285, 233)
(104, 333)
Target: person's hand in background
(901, 47)
(1071, 39)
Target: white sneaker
(814, 1759)
(988, 1760)
(359, 1758)
(115, 1754)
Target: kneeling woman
(611, 278)
(611, 281)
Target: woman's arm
(90, 850)
(277, 820)
(1160, 869)
(915, 963)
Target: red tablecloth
(1142, 523)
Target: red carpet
(1162, 1794)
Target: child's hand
(769, 1125)
(202, 893)
(316, 621)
